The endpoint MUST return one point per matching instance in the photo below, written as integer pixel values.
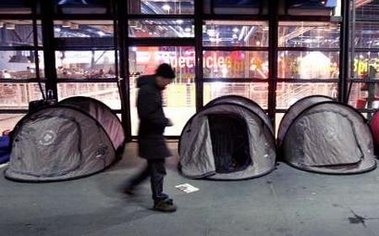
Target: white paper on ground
(187, 188)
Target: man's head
(164, 75)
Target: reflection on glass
(17, 32)
(152, 7)
(366, 65)
(248, 7)
(180, 96)
(82, 6)
(145, 28)
(289, 93)
(258, 92)
(235, 33)
(143, 60)
(365, 9)
(106, 92)
(85, 64)
(235, 64)
(17, 95)
(313, 8)
(308, 65)
(309, 34)
(365, 34)
(9, 121)
(83, 29)
(364, 95)
(358, 95)
(20, 64)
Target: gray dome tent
(77, 137)
(231, 138)
(321, 135)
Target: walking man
(151, 142)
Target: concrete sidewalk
(286, 202)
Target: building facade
(272, 52)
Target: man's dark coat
(153, 122)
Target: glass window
(313, 7)
(235, 33)
(143, 60)
(366, 34)
(153, 7)
(8, 121)
(364, 56)
(250, 7)
(308, 65)
(364, 95)
(309, 34)
(18, 95)
(145, 28)
(15, 7)
(258, 92)
(235, 64)
(106, 92)
(82, 6)
(365, 9)
(85, 64)
(365, 64)
(17, 33)
(288, 93)
(20, 64)
(179, 97)
(83, 29)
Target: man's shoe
(129, 191)
(165, 205)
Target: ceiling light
(66, 24)
(166, 7)
(10, 26)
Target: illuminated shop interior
(273, 54)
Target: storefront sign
(234, 63)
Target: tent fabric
(326, 137)
(296, 109)
(249, 104)
(102, 113)
(227, 140)
(64, 141)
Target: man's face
(163, 82)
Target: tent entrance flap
(230, 143)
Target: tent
(77, 137)
(231, 138)
(321, 135)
